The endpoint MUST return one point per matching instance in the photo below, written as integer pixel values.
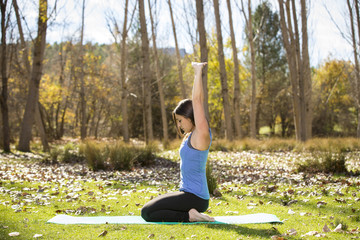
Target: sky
(325, 39)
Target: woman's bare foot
(195, 216)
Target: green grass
(66, 188)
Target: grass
(281, 144)
(32, 193)
(32, 218)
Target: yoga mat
(242, 219)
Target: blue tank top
(193, 169)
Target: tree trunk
(357, 85)
(33, 95)
(25, 58)
(290, 54)
(356, 60)
(158, 80)
(25, 54)
(124, 93)
(299, 66)
(4, 81)
(299, 76)
(146, 73)
(307, 73)
(203, 52)
(223, 77)
(83, 127)
(41, 129)
(178, 57)
(253, 76)
(236, 75)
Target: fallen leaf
(338, 228)
(326, 229)
(340, 200)
(151, 235)
(292, 232)
(103, 234)
(217, 193)
(311, 233)
(321, 203)
(277, 237)
(291, 211)
(37, 236)
(232, 212)
(14, 234)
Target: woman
(193, 197)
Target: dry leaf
(37, 236)
(338, 228)
(326, 229)
(277, 237)
(321, 203)
(151, 235)
(291, 211)
(292, 232)
(103, 234)
(14, 234)
(311, 233)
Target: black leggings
(173, 207)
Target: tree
(4, 79)
(223, 77)
(355, 35)
(159, 79)
(146, 73)
(83, 127)
(249, 34)
(299, 65)
(33, 93)
(124, 94)
(178, 57)
(203, 51)
(334, 111)
(236, 75)
(270, 65)
(27, 75)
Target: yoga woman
(193, 197)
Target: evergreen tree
(270, 65)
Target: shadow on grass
(246, 231)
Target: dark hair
(185, 109)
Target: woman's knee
(145, 213)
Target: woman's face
(184, 124)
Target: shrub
(121, 157)
(95, 155)
(70, 154)
(327, 162)
(145, 156)
(211, 179)
(117, 156)
(55, 153)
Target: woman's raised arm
(201, 136)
